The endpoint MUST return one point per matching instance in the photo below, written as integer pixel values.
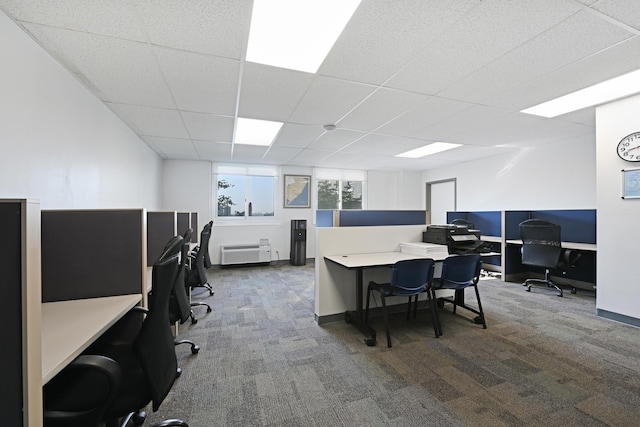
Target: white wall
(394, 190)
(554, 176)
(61, 145)
(618, 240)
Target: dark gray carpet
(543, 361)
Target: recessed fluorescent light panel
(256, 132)
(427, 150)
(296, 34)
(609, 90)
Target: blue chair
(409, 278)
(458, 273)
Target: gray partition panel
(161, 227)
(195, 237)
(11, 314)
(183, 222)
(91, 253)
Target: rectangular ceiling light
(296, 34)
(609, 90)
(256, 132)
(427, 150)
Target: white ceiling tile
(281, 155)
(297, 136)
(200, 83)
(327, 100)
(209, 127)
(433, 110)
(214, 151)
(379, 108)
(104, 17)
(336, 140)
(213, 27)
(625, 11)
(459, 127)
(384, 145)
(172, 147)
(492, 29)
(270, 93)
(153, 121)
(383, 35)
(248, 153)
(123, 71)
(577, 37)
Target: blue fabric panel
(355, 218)
(324, 218)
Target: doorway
(441, 198)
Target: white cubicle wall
(334, 285)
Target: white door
(441, 198)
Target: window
(243, 193)
(340, 190)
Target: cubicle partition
(162, 226)
(363, 218)
(183, 220)
(195, 238)
(488, 222)
(21, 396)
(93, 253)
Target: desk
(591, 247)
(359, 262)
(69, 327)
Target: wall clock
(629, 147)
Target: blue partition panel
(577, 225)
(367, 218)
(512, 220)
(489, 223)
(456, 215)
(324, 218)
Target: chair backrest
(198, 275)
(460, 271)
(541, 245)
(412, 274)
(154, 344)
(179, 304)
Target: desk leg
(357, 317)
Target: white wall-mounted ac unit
(245, 254)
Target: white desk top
(566, 245)
(69, 327)
(376, 259)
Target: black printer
(459, 239)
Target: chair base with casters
(409, 278)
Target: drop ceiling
(403, 74)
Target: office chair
(179, 305)
(409, 278)
(458, 273)
(196, 275)
(462, 222)
(542, 247)
(79, 395)
(148, 365)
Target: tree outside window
(336, 194)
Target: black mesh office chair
(409, 278)
(458, 273)
(79, 395)
(542, 247)
(197, 273)
(179, 305)
(149, 365)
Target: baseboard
(627, 320)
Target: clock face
(629, 147)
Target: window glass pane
(352, 195)
(260, 196)
(327, 194)
(231, 193)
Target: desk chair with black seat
(179, 305)
(409, 278)
(149, 365)
(458, 273)
(542, 247)
(197, 274)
